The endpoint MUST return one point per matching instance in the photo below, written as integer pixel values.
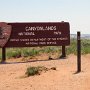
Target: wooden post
(63, 52)
(78, 52)
(3, 54)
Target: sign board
(34, 34)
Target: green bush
(29, 52)
(13, 53)
(85, 47)
(25, 52)
(34, 52)
(31, 71)
(51, 49)
(72, 49)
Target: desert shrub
(25, 52)
(31, 71)
(34, 52)
(30, 52)
(13, 53)
(72, 49)
(51, 49)
(85, 46)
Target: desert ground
(63, 78)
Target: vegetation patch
(33, 51)
(31, 71)
(14, 54)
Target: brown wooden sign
(35, 34)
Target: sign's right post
(63, 56)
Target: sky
(76, 12)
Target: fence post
(78, 52)
(3, 54)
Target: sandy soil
(64, 78)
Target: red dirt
(12, 75)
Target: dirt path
(61, 79)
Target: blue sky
(76, 12)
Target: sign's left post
(3, 54)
